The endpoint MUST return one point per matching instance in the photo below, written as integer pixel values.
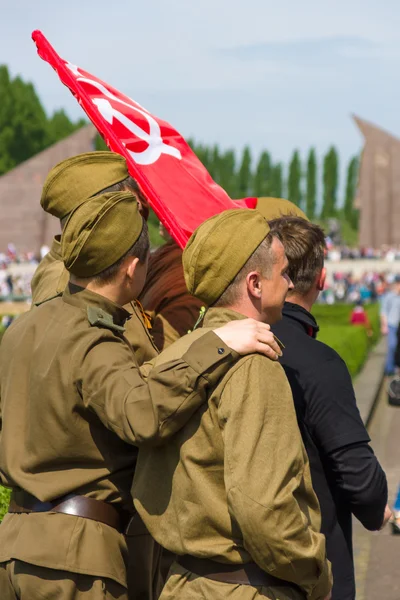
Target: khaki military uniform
(73, 403)
(50, 279)
(234, 486)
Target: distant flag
(177, 185)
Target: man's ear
(321, 280)
(132, 262)
(253, 281)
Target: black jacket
(346, 475)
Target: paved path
(377, 554)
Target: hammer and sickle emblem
(156, 145)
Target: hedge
(351, 342)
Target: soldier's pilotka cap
(99, 232)
(219, 248)
(274, 208)
(74, 180)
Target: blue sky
(275, 75)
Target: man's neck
(303, 301)
(246, 309)
(108, 291)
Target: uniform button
(221, 351)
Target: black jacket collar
(301, 316)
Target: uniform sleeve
(332, 414)
(267, 477)
(149, 410)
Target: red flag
(177, 185)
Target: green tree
(227, 173)
(277, 181)
(60, 126)
(350, 213)
(294, 179)
(330, 181)
(311, 199)
(29, 122)
(262, 176)
(244, 187)
(6, 114)
(214, 162)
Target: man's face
(275, 288)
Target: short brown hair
(304, 245)
(261, 260)
(140, 250)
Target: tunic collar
(82, 298)
(55, 249)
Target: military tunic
(51, 278)
(73, 404)
(234, 485)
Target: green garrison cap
(78, 178)
(219, 248)
(99, 232)
(274, 208)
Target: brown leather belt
(245, 574)
(78, 506)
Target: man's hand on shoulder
(248, 336)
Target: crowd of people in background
(341, 286)
(344, 286)
(338, 253)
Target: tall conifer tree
(330, 181)
(350, 213)
(262, 176)
(244, 183)
(294, 179)
(311, 199)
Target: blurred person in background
(359, 317)
(390, 321)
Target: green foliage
(4, 500)
(311, 195)
(277, 181)
(227, 173)
(262, 176)
(350, 213)
(330, 181)
(25, 128)
(99, 143)
(294, 179)
(60, 127)
(244, 177)
(351, 342)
